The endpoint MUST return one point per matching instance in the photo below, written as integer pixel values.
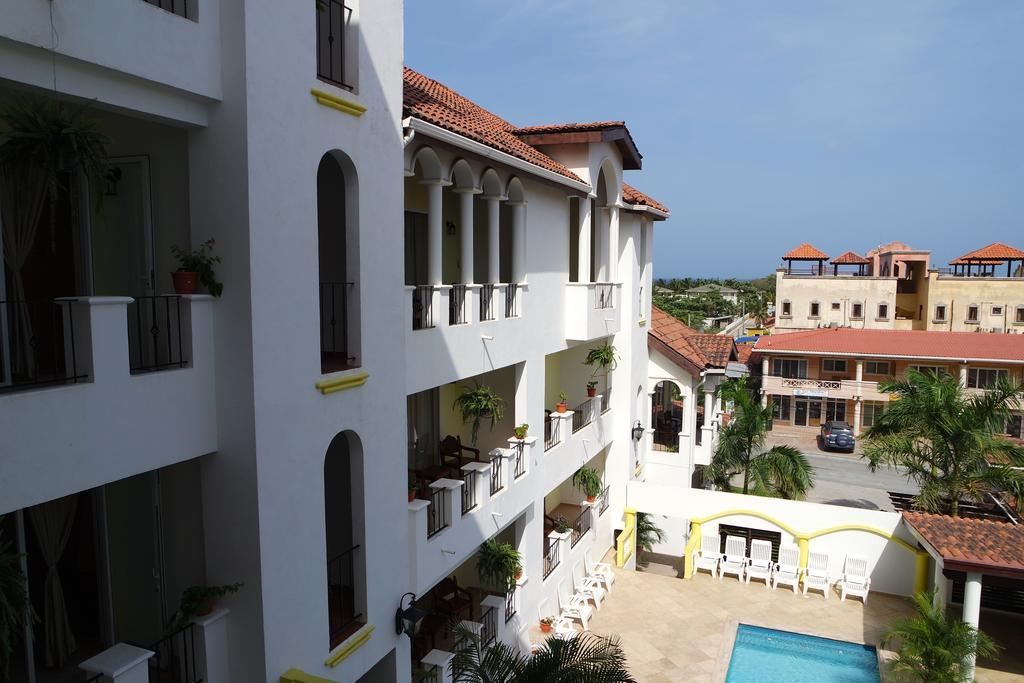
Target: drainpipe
(407, 133)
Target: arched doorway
(338, 245)
(667, 415)
(346, 567)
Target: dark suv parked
(837, 435)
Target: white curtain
(22, 198)
(52, 524)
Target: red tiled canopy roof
(631, 195)
(996, 251)
(850, 258)
(805, 252)
(1008, 348)
(688, 348)
(968, 544)
(961, 261)
(433, 102)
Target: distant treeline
(753, 298)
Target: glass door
(800, 413)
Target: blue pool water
(764, 654)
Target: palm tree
(587, 658)
(780, 471)
(935, 647)
(647, 532)
(946, 439)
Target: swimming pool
(764, 654)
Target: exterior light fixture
(408, 619)
(638, 432)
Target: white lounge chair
(560, 627)
(816, 575)
(735, 560)
(855, 580)
(787, 571)
(709, 554)
(760, 565)
(574, 606)
(587, 586)
(600, 570)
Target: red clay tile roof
(972, 544)
(631, 195)
(569, 127)
(805, 252)
(678, 341)
(426, 99)
(850, 258)
(1007, 348)
(746, 354)
(719, 349)
(997, 251)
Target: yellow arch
(859, 527)
(753, 513)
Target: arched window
(667, 416)
(337, 200)
(346, 566)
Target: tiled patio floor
(673, 629)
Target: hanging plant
(602, 358)
(477, 403)
(588, 480)
(499, 564)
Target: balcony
(822, 388)
(592, 310)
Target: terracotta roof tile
(996, 251)
(431, 101)
(718, 348)
(806, 252)
(569, 127)
(997, 545)
(631, 195)
(702, 350)
(850, 258)
(899, 343)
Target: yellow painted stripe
(349, 646)
(298, 676)
(335, 102)
(625, 545)
(329, 386)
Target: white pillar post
(493, 238)
(466, 236)
(857, 409)
(972, 611)
(435, 230)
(121, 663)
(212, 659)
(941, 584)
(860, 371)
(518, 241)
(963, 376)
(583, 255)
(613, 244)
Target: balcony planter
(545, 624)
(563, 402)
(588, 480)
(198, 601)
(520, 431)
(185, 282)
(196, 267)
(591, 389)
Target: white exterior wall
(663, 466)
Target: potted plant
(520, 431)
(562, 525)
(479, 402)
(563, 402)
(196, 267)
(588, 480)
(15, 608)
(499, 564)
(546, 624)
(198, 601)
(412, 489)
(602, 357)
(592, 388)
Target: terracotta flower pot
(412, 496)
(591, 392)
(518, 575)
(562, 407)
(591, 499)
(545, 628)
(185, 282)
(206, 608)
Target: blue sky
(767, 124)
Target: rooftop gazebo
(805, 252)
(850, 258)
(982, 262)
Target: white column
(860, 372)
(941, 584)
(613, 244)
(857, 406)
(518, 241)
(466, 236)
(121, 663)
(212, 647)
(583, 255)
(963, 376)
(709, 407)
(493, 238)
(435, 230)
(972, 611)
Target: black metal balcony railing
(510, 603)
(497, 480)
(519, 468)
(606, 400)
(174, 660)
(551, 555)
(550, 432)
(468, 491)
(423, 307)
(335, 353)
(37, 345)
(603, 505)
(332, 23)
(582, 415)
(437, 515)
(512, 300)
(604, 295)
(580, 526)
(457, 305)
(341, 592)
(154, 334)
(179, 7)
(487, 302)
(489, 627)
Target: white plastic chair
(855, 580)
(735, 560)
(574, 606)
(600, 570)
(787, 571)
(816, 575)
(589, 587)
(709, 555)
(560, 627)
(760, 565)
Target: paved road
(846, 480)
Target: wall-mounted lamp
(408, 619)
(450, 227)
(638, 432)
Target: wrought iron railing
(335, 353)
(457, 305)
(174, 658)
(468, 491)
(341, 593)
(519, 464)
(497, 478)
(488, 627)
(512, 300)
(510, 603)
(37, 345)
(422, 307)
(603, 505)
(437, 515)
(332, 24)
(487, 302)
(580, 526)
(154, 334)
(582, 415)
(179, 7)
(551, 432)
(604, 295)
(551, 555)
